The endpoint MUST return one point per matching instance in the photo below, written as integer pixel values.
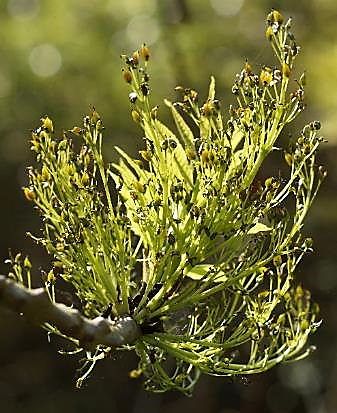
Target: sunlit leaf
(259, 227)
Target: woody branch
(37, 308)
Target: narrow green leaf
(127, 175)
(182, 168)
(184, 130)
(236, 137)
(205, 128)
(164, 130)
(199, 271)
(259, 227)
(211, 90)
(142, 173)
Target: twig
(37, 307)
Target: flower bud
(266, 76)
(277, 260)
(135, 57)
(144, 87)
(299, 292)
(127, 76)
(248, 68)
(45, 174)
(71, 169)
(146, 155)
(47, 124)
(190, 154)
(132, 97)
(62, 145)
(208, 109)
(145, 52)
(171, 239)
(134, 374)
(277, 16)
(285, 69)
(172, 143)
(95, 116)
(136, 116)
(51, 277)
(288, 158)
(85, 179)
(76, 130)
(59, 246)
(27, 264)
(139, 187)
(154, 112)
(207, 156)
(269, 33)
(29, 194)
(304, 325)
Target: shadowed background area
(60, 58)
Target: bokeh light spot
(5, 85)
(23, 9)
(120, 9)
(227, 8)
(142, 29)
(45, 60)
(303, 377)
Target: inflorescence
(186, 239)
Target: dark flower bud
(145, 155)
(171, 239)
(127, 76)
(144, 87)
(179, 89)
(154, 112)
(172, 143)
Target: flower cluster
(186, 240)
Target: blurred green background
(59, 57)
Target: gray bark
(36, 306)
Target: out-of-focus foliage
(190, 40)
